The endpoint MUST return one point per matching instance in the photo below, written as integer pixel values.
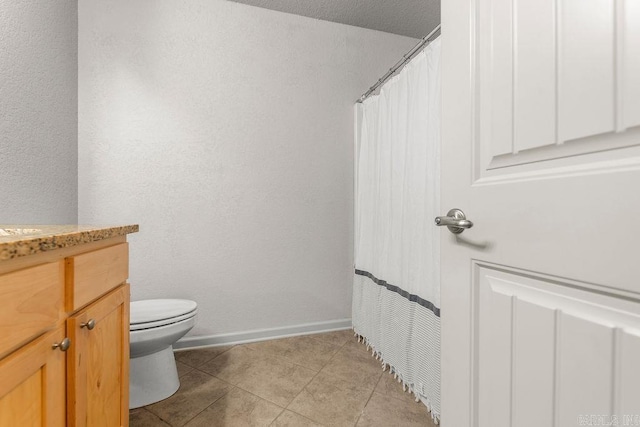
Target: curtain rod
(405, 58)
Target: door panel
(549, 351)
(534, 347)
(23, 405)
(104, 362)
(586, 73)
(534, 73)
(552, 75)
(630, 63)
(32, 389)
(98, 391)
(628, 375)
(494, 350)
(585, 368)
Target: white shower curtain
(396, 289)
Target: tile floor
(315, 380)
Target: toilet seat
(156, 313)
(163, 322)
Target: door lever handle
(455, 221)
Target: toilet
(156, 325)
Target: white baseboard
(188, 343)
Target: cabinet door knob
(91, 323)
(62, 345)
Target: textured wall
(226, 131)
(38, 111)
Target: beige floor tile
(269, 377)
(276, 382)
(304, 351)
(384, 411)
(331, 401)
(142, 418)
(195, 358)
(183, 369)
(197, 391)
(336, 338)
(358, 349)
(355, 366)
(231, 365)
(389, 386)
(237, 408)
(291, 419)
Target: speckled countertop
(21, 240)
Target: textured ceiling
(412, 18)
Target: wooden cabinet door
(98, 370)
(32, 384)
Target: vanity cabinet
(64, 337)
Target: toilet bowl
(155, 326)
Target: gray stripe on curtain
(411, 297)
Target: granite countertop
(21, 240)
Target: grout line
(239, 388)
(365, 406)
(180, 375)
(302, 389)
(413, 401)
(212, 403)
(366, 356)
(371, 395)
(144, 408)
(316, 337)
(344, 344)
(248, 391)
(312, 378)
(207, 361)
(261, 398)
(196, 415)
(305, 417)
(286, 359)
(151, 412)
(211, 375)
(379, 379)
(278, 416)
(336, 353)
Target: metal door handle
(456, 221)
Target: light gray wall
(38, 111)
(226, 131)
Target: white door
(541, 150)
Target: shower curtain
(396, 286)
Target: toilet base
(145, 385)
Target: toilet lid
(156, 310)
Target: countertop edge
(44, 242)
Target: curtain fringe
(405, 386)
